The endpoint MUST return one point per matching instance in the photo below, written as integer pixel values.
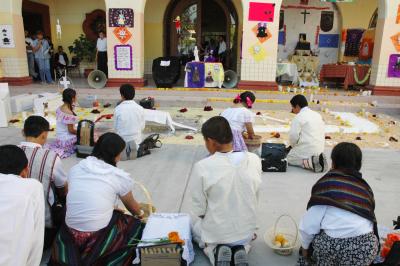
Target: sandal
(223, 256)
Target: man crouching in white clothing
(224, 190)
(306, 137)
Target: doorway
(202, 24)
(36, 17)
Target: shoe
(320, 163)
(324, 162)
(223, 256)
(240, 257)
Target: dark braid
(67, 96)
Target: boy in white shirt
(225, 197)
(129, 120)
(306, 137)
(21, 210)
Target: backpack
(273, 157)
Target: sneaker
(320, 163)
(223, 256)
(240, 257)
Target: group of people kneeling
(225, 193)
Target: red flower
(208, 108)
(189, 137)
(258, 113)
(183, 110)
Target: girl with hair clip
(241, 119)
(65, 143)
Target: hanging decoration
(58, 30)
(364, 80)
(396, 41)
(264, 12)
(262, 33)
(327, 19)
(394, 66)
(284, 30)
(281, 38)
(281, 19)
(329, 40)
(121, 17)
(258, 52)
(398, 15)
(353, 42)
(317, 35)
(177, 22)
(122, 34)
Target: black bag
(147, 103)
(273, 157)
(151, 142)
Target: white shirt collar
(30, 144)
(305, 109)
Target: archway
(202, 21)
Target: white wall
(294, 22)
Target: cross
(305, 13)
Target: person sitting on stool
(101, 54)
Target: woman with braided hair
(65, 143)
(241, 119)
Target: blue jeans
(44, 69)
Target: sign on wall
(6, 36)
(394, 66)
(123, 57)
(122, 34)
(264, 12)
(121, 17)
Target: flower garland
(284, 35)
(361, 82)
(317, 35)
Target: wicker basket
(290, 234)
(254, 143)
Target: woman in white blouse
(340, 226)
(95, 186)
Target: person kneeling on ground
(21, 210)
(92, 224)
(306, 137)
(129, 122)
(340, 222)
(225, 197)
(46, 167)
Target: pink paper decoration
(263, 12)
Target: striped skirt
(113, 245)
(238, 141)
(354, 251)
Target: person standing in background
(101, 54)
(41, 49)
(30, 56)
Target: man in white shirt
(21, 211)
(306, 137)
(129, 120)
(31, 57)
(224, 191)
(45, 166)
(101, 53)
(222, 49)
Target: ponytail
(247, 98)
(67, 97)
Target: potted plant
(85, 50)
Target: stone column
(259, 73)
(14, 63)
(380, 83)
(136, 75)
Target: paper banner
(329, 40)
(396, 41)
(262, 33)
(281, 38)
(121, 17)
(258, 52)
(264, 12)
(6, 36)
(398, 15)
(122, 34)
(394, 66)
(123, 57)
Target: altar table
(345, 73)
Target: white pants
(209, 249)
